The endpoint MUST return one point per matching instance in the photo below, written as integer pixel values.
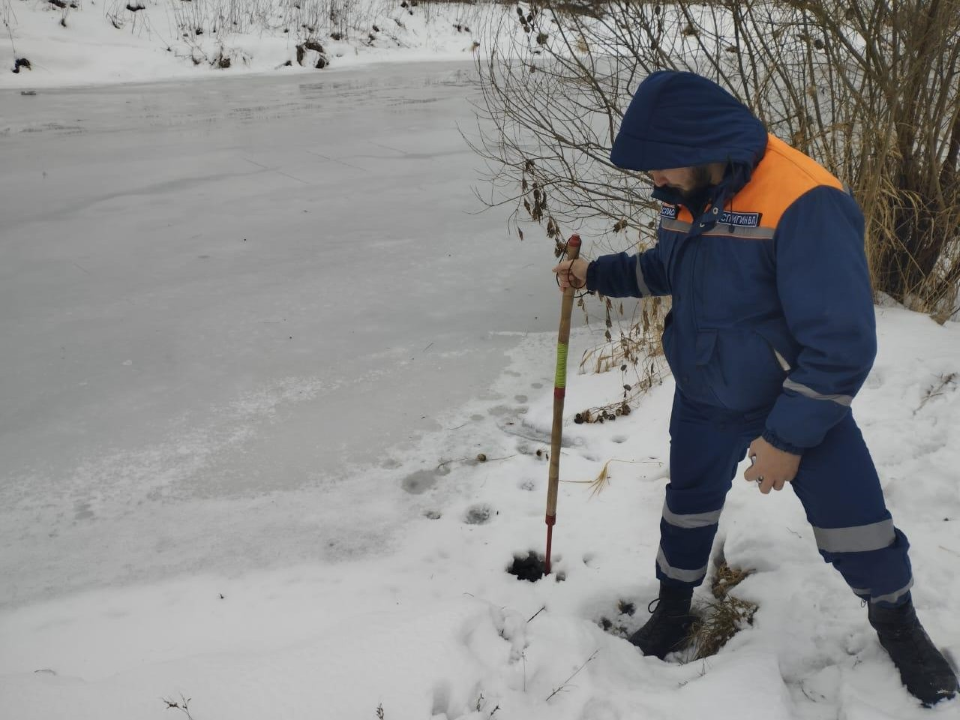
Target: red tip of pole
(551, 520)
(574, 241)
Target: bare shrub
(870, 90)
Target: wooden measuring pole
(559, 392)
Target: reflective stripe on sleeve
(641, 282)
(845, 400)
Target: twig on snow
(183, 706)
(575, 672)
(537, 613)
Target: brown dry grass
(723, 617)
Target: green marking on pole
(561, 380)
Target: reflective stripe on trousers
(837, 484)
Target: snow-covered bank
(433, 626)
(92, 43)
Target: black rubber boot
(923, 669)
(667, 630)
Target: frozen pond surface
(226, 309)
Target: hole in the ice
(528, 567)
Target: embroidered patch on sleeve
(669, 211)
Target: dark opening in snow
(529, 568)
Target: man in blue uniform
(771, 335)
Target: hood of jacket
(680, 119)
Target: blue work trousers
(837, 484)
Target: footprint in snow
(599, 709)
(441, 699)
(479, 514)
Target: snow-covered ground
(93, 42)
(254, 338)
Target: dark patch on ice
(432, 514)
(476, 418)
(478, 514)
(528, 485)
(626, 607)
(422, 480)
(520, 398)
(529, 567)
(536, 386)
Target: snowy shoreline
(90, 51)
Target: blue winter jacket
(772, 304)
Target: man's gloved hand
(772, 468)
(572, 273)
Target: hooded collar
(679, 119)
(735, 177)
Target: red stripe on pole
(546, 564)
(559, 393)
